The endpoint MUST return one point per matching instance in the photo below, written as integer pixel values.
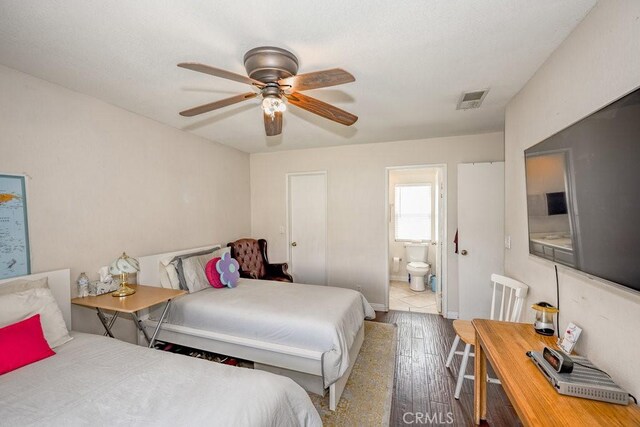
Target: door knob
(294, 244)
(463, 252)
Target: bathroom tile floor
(404, 299)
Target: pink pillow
(212, 273)
(22, 343)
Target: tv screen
(583, 194)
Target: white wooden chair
(513, 296)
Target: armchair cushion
(251, 255)
(278, 272)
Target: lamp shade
(124, 264)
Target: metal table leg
(155, 333)
(142, 329)
(112, 321)
(107, 325)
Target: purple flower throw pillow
(229, 270)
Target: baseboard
(404, 278)
(452, 314)
(379, 307)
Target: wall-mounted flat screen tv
(583, 194)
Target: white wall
(596, 64)
(396, 249)
(357, 233)
(104, 180)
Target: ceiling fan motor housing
(271, 89)
(269, 64)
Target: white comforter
(93, 380)
(320, 318)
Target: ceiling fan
(272, 72)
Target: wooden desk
(504, 344)
(144, 298)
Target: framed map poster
(15, 259)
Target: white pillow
(168, 274)
(170, 266)
(21, 305)
(219, 252)
(194, 274)
(169, 277)
(164, 277)
(23, 285)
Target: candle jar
(544, 324)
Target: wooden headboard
(60, 284)
(149, 273)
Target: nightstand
(144, 298)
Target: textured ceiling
(411, 59)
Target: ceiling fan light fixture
(272, 104)
(272, 73)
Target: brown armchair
(251, 254)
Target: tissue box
(98, 288)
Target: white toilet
(417, 267)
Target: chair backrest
(250, 256)
(512, 300)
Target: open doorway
(416, 217)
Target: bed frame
(60, 285)
(301, 365)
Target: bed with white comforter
(320, 318)
(93, 380)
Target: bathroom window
(413, 212)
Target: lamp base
(123, 291)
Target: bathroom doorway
(416, 224)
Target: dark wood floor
(424, 386)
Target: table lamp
(123, 266)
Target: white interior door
(440, 223)
(308, 227)
(480, 235)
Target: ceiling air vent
(470, 100)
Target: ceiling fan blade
(323, 109)
(201, 68)
(273, 126)
(218, 104)
(318, 79)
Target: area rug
(366, 400)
